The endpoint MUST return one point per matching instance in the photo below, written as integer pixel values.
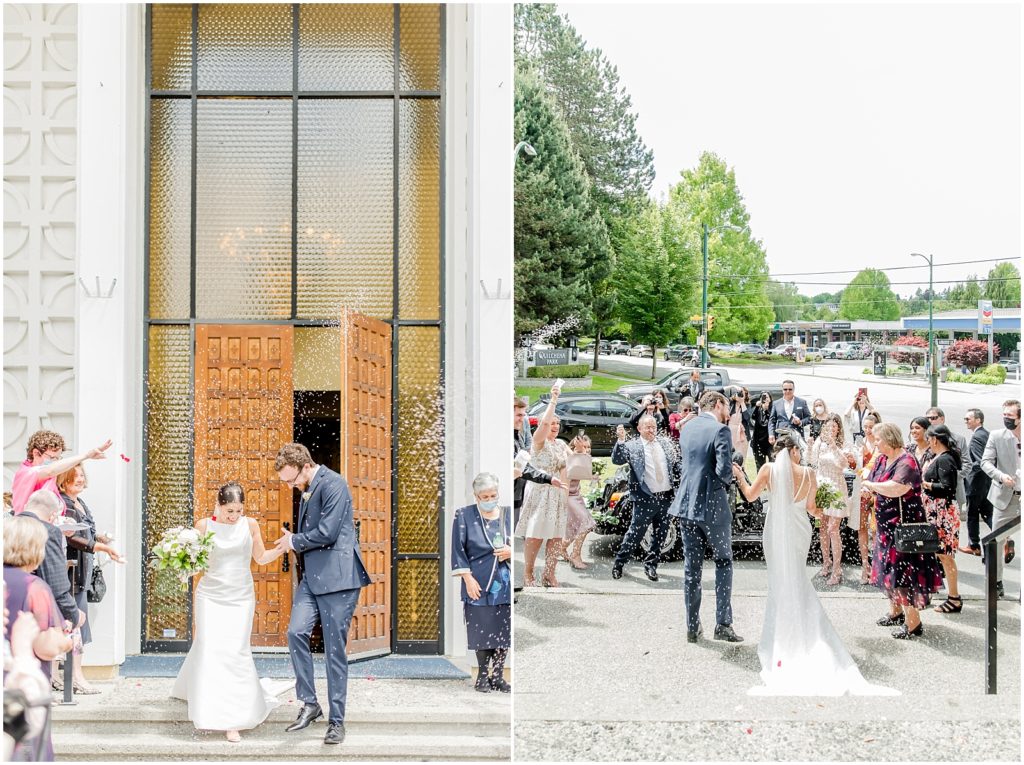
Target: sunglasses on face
(933, 416)
(786, 390)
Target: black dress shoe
(616, 571)
(727, 633)
(483, 683)
(889, 620)
(499, 684)
(904, 634)
(651, 571)
(691, 637)
(1000, 592)
(335, 733)
(307, 714)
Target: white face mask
(819, 409)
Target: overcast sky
(859, 134)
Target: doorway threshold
(277, 666)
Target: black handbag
(97, 586)
(916, 537)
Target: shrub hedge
(565, 371)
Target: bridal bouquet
(184, 552)
(828, 497)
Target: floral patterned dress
(905, 578)
(940, 501)
(545, 508)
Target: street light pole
(527, 148)
(933, 365)
(704, 301)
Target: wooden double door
(244, 412)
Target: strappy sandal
(951, 605)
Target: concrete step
(186, 744)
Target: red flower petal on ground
(779, 664)
(750, 730)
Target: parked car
(605, 347)
(641, 351)
(680, 352)
(755, 348)
(860, 350)
(782, 350)
(1012, 367)
(675, 384)
(618, 347)
(836, 350)
(811, 354)
(597, 413)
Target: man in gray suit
(705, 519)
(333, 575)
(653, 472)
(1001, 463)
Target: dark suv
(597, 413)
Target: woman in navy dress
(481, 556)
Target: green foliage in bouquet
(828, 497)
(184, 551)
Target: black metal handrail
(990, 543)
(69, 657)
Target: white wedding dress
(800, 652)
(219, 679)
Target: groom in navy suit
(333, 575)
(705, 520)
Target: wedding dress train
(800, 652)
(219, 679)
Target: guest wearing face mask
(819, 416)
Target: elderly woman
(545, 508)
(24, 593)
(481, 553)
(81, 549)
(907, 579)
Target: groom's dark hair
(295, 455)
(710, 398)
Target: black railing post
(990, 543)
(69, 657)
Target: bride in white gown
(800, 652)
(219, 679)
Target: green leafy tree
(560, 238)
(656, 278)
(787, 302)
(737, 264)
(1003, 286)
(868, 296)
(965, 294)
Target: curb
(910, 384)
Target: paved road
(837, 381)
(603, 672)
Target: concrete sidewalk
(605, 673)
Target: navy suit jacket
(706, 452)
(326, 537)
(632, 453)
(977, 483)
(778, 420)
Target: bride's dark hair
(229, 493)
(785, 441)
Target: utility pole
(933, 362)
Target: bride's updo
(230, 493)
(785, 441)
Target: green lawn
(600, 382)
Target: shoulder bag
(916, 537)
(97, 586)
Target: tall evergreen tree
(560, 238)
(737, 264)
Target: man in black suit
(695, 387)
(788, 413)
(976, 482)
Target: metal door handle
(285, 560)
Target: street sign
(551, 356)
(880, 362)
(984, 317)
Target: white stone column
(478, 221)
(110, 134)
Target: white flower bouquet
(183, 551)
(828, 497)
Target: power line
(846, 284)
(858, 270)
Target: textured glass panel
(170, 195)
(172, 47)
(245, 46)
(345, 208)
(243, 214)
(419, 205)
(420, 59)
(346, 47)
(168, 471)
(418, 594)
(420, 438)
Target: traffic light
(711, 322)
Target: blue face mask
(489, 505)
